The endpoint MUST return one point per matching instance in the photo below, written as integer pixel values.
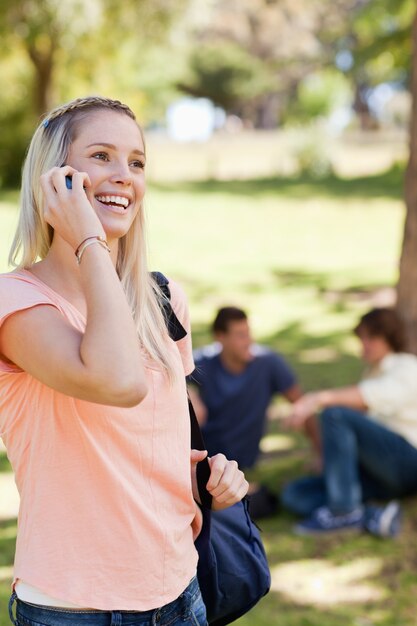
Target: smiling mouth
(118, 202)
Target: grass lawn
(305, 258)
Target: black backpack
(232, 571)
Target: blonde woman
(93, 407)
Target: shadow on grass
(388, 184)
(320, 281)
(7, 547)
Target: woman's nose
(121, 174)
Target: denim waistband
(62, 616)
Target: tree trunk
(267, 113)
(361, 107)
(407, 284)
(43, 64)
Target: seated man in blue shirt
(231, 389)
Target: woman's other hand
(227, 484)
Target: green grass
(305, 258)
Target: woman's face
(109, 148)
(374, 348)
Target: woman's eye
(101, 155)
(140, 164)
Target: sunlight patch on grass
(318, 355)
(350, 345)
(277, 443)
(321, 583)
(6, 573)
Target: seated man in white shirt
(369, 438)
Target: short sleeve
(392, 391)
(180, 307)
(283, 378)
(17, 294)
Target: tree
(407, 284)
(52, 33)
(251, 56)
(51, 51)
(378, 40)
(248, 55)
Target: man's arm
(294, 393)
(311, 403)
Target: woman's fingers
(227, 483)
(196, 457)
(69, 211)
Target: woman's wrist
(89, 241)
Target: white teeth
(114, 200)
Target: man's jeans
(363, 460)
(187, 610)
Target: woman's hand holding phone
(68, 182)
(68, 205)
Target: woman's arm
(104, 363)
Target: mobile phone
(68, 182)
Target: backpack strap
(176, 332)
(203, 470)
(175, 329)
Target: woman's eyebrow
(113, 147)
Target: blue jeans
(187, 610)
(363, 460)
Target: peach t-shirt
(106, 514)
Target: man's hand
(306, 406)
(310, 403)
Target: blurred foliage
(381, 40)
(225, 73)
(52, 51)
(311, 155)
(268, 61)
(16, 119)
(378, 38)
(268, 47)
(318, 95)
(367, 40)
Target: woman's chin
(115, 227)
(115, 231)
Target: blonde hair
(49, 148)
